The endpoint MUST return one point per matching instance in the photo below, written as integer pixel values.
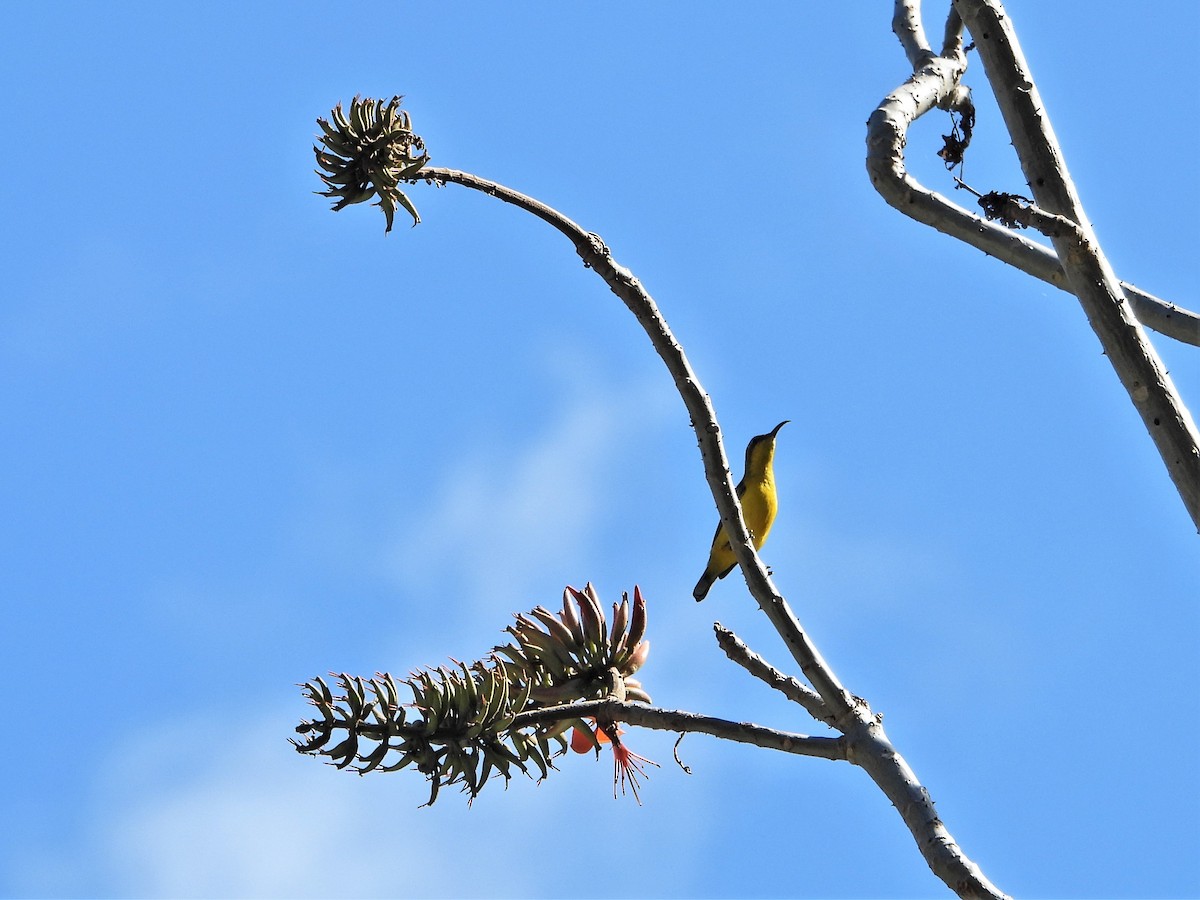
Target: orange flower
(627, 765)
(582, 743)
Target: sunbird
(756, 491)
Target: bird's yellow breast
(759, 505)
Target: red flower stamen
(627, 765)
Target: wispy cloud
(492, 519)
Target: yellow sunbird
(756, 491)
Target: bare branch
(952, 40)
(870, 748)
(736, 649)
(675, 720)
(864, 733)
(906, 25)
(1089, 274)
(934, 85)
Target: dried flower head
(368, 152)
(576, 654)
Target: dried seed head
(368, 152)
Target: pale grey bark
(936, 82)
(910, 30)
(1077, 263)
(1089, 274)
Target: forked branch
(936, 83)
(1077, 263)
(1089, 274)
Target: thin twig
(687, 770)
(735, 648)
(676, 720)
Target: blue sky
(249, 441)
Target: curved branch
(622, 282)
(866, 743)
(933, 85)
(675, 720)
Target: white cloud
(496, 517)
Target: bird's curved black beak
(775, 430)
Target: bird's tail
(702, 586)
